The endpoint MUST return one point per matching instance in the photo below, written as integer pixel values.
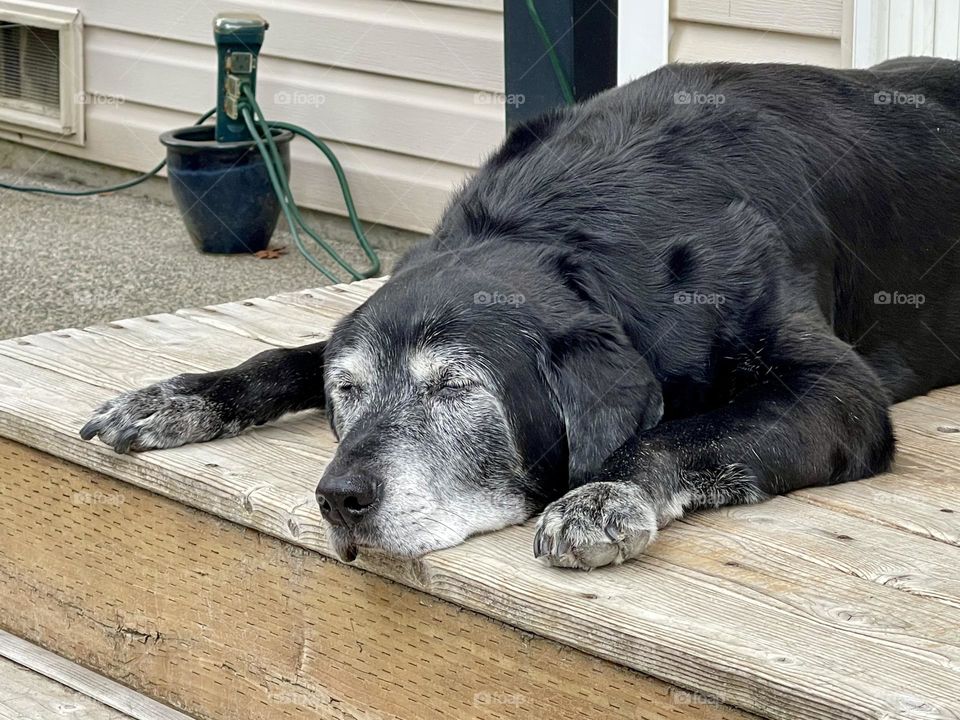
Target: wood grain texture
(224, 622)
(834, 602)
(36, 684)
(26, 695)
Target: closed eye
(455, 383)
(347, 388)
(450, 386)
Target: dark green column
(584, 37)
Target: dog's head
(463, 405)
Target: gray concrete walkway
(71, 262)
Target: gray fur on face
(442, 446)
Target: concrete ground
(72, 262)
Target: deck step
(226, 623)
(36, 684)
(832, 602)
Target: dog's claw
(597, 524)
(90, 430)
(126, 440)
(539, 550)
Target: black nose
(345, 499)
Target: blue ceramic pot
(223, 190)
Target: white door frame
(643, 37)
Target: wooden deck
(26, 695)
(840, 602)
(36, 684)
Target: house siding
(404, 91)
(808, 31)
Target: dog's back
(764, 181)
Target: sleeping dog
(700, 289)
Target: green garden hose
(261, 131)
(278, 179)
(551, 53)
(110, 188)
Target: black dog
(702, 288)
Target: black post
(584, 36)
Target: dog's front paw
(596, 524)
(163, 415)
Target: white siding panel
(441, 44)
(924, 22)
(886, 29)
(387, 188)
(900, 33)
(947, 30)
(821, 18)
(700, 42)
(454, 125)
(402, 89)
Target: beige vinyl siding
(402, 90)
(795, 31)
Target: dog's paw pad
(158, 416)
(594, 525)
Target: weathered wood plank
(26, 695)
(617, 614)
(896, 510)
(332, 301)
(922, 494)
(228, 623)
(265, 320)
(180, 340)
(853, 546)
(36, 684)
(287, 319)
(858, 624)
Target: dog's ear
(605, 390)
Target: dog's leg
(196, 407)
(817, 416)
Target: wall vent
(41, 70)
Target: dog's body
(699, 289)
